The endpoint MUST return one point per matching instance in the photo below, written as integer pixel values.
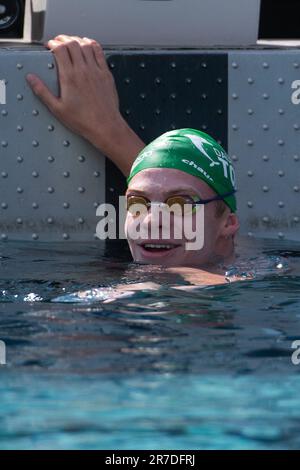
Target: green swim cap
(193, 152)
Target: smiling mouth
(158, 248)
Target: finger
(63, 62)
(88, 51)
(78, 39)
(63, 38)
(42, 91)
(74, 51)
(99, 55)
(52, 44)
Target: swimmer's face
(157, 185)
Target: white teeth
(154, 245)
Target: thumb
(43, 92)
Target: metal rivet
(280, 204)
(4, 236)
(188, 111)
(19, 221)
(250, 111)
(188, 80)
(296, 158)
(280, 173)
(81, 189)
(157, 112)
(4, 143)
(4, 205)
(296, 127)
(20, 128)
(280, 235)
(20, 97)
(173, 65)
(96, 204)
(235, 127)
(81, 220)
(50, 190)
(234, 96)
(265, 189)
(50, 220)
(265, 127)
(66, 143)
(265, 96)
(142, 127)
(35, 236)
(4, 112)
(250, 204)
(280, 111)
(157, 80)
(234, 65)
(250, 173)
(296, 219)
(296, 65)
(219, 80)
(142, 96)
(111, 65)
(127, 80)
(296, 189)
(280, 80)
(35, 205)
(66, 236)
(50, 128)
(250, 142)
(96, 174)
(19, 159)
(35, 174)
(51, 159)
(280, 142)
(142, 65)
(19, 66)
(35, 112)
(265, 158)
(173, 96)
(4, 174)
(250, 81)
(234, 158)
(81, 158)
(20, 190)
(266, 219)
(112, 190)
(173, 126)
(50, 65)
(220, 111)
(204, 127)
(204, 96)
(66, 205)
(250, 234)
(204, 65)
(66, 174)
(35, 143)
(265, 65)
(127, 112)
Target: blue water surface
(157, 369)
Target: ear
(230, 225)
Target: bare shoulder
(198, 277)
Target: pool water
(157, 369)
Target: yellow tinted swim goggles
(178, 205)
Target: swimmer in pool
(186, 167)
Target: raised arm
(88, 103)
